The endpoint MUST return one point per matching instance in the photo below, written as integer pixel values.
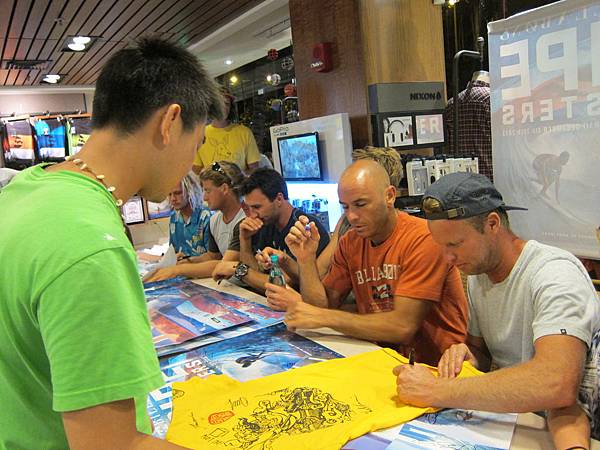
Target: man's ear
(390, 195)
(169, 123)
(493, 221)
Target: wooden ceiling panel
(82, 14)
(36, 30)
(21, 12)
(57, 31)
(53, 12)
(106, 30)
(7, 7)
(11, 78)
(36, 16)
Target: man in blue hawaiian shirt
(189, 224)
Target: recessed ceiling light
(51, 78)
(82, 40)
(78, 43)
(76, 47)
(228, 62)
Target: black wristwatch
(241, 270)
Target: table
(530, 433)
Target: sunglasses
(217, 168)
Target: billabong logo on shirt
(384, 272)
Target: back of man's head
(269, 181)
(135, 82)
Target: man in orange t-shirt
(390, 262)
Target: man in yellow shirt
(227, 141)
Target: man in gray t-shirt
(534, 319)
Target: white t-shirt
(547, 292)
(221, 232)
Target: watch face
(241, 270)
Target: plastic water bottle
(275, 275)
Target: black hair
(269, 181)
(137, 81)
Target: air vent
(24, 64)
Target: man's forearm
(523, 388)
(198, 270)
(372, 327)
(311, 288)
(246, 254)
(256, 279)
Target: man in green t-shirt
(76, 353)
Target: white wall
(38, 99)
(335, 140)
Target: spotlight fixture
(228, 62)
(78, 43)
(269, 78)
(233, 79)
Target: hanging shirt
(474, 124)
(190, 237)
(50, 135)
(320, 406)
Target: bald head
(365, 173)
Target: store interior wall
(344, 88)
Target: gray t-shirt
(221, 232)
(547, 292)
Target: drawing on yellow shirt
(318, 406)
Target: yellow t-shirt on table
(234, 143)
(321, 406)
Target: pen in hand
(411, 357)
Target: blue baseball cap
(463, 195)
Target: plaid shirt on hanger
(474, 124)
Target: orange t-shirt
(408, 264)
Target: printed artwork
(261, 316)
(263, 352)
(545, 115)
(322, 405)
(182, 310)
(456, 429)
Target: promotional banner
(545, 99)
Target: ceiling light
(452, 2)
(233, 79)
(82, 40)
(78, 43)
(228, 62)
(76, 47)
(51, 78)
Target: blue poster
(545, 100)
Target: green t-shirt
(74, 329)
